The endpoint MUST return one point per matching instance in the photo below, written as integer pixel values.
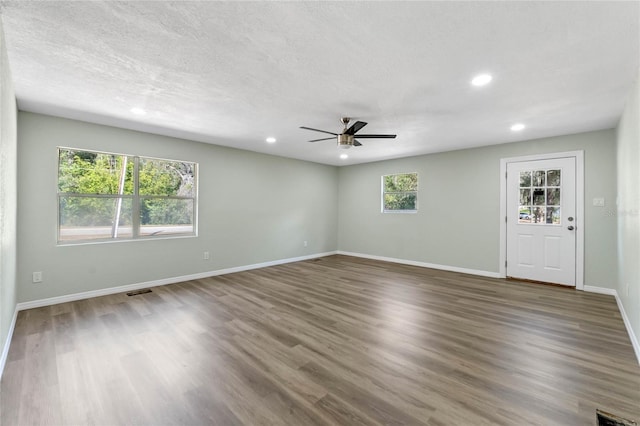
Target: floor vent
(607, 419)
(137, 292)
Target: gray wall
(253, 208)
(457, 224)
(628, 141)
(8, 195)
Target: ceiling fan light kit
(345, 141)
(347, 138)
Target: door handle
(570, 228)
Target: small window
(109, 197)
(400, 193)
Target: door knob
(570, 228)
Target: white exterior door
(541, 220)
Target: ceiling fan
(346, 139)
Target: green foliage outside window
(82, 172)
(400, 192)
(159, 178)
(99, 190)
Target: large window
(106, 197)
(400, 193)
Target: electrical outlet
(304, 243)
(598, 202)
(37, 277)
(205, 255)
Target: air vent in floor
(607, 419)
(137, 292)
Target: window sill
(122, 240)
(400, 211)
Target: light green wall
(256, 208)
(8, 195)
(457, 224)
(253, 208)
(628, 212)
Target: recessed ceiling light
(344, 156)
(271, 139)
(517, 127)
(481, 80)
(138, 111)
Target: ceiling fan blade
(323, 139)
(355, 127)
(318, 130)
(377, 136)
(356, 143)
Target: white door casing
(542, 218)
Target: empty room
(319, 213)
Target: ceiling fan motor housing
(345, 141)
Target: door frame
(579, 158)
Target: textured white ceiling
(233, 73)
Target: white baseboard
(7, 343)
(623, 313)
(172, 280)
(627, 323)
(600, 290)
(424, 264)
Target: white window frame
(383, 192)
(135, 199)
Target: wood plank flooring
(337, 340)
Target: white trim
(423, 264)
(164, 281)
(580, 222)
(7, 343)
(627, 323)
(579, 156)
(601, 290)
(623, 314)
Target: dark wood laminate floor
(338, 340)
